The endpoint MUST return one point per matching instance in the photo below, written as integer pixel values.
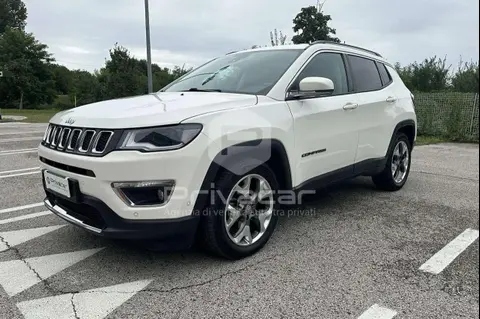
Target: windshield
(254, 72)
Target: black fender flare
(243, 157)
(398, 127)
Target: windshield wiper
(211, 77)
(201, 90)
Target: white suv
(212, 157)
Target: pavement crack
(220, 277)
(72, 301)
(22, 258)
(446, 175)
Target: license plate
(56, 183)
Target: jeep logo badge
(70, 121)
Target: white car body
(341, 131)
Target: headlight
(159, 138)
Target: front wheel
(396, 171)
(242, 217)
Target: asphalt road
(354, 252)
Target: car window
(384, 75)
(365, 74)
(251, 72)
(327, 65)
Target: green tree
(13, 14)
(122, 75)
(178, 72)
(28, 78)
(85, 88)
(432, 75)
(466, 78)
(312, 25)
(63, 79)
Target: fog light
(148, 193)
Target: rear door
(376, 107)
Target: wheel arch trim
(241, 158)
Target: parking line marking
(21, 174)
(21, 139)
(15, 153)
(24, 217)
(13, 123)
(94, 304)
(19, 170)
(28, 132)
(450, 252)
(20, 150)
(378, 312)
(14, 209)
(19, 275)
(17, 237)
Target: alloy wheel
(400, 162)
(249, 210)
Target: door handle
(391, 99)
(350, 106)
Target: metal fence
(451, 115)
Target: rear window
(384, 74)
(365, 74)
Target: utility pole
(149, 48)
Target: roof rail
(346, 45)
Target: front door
(326, 134)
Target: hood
(151, 110)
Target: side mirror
(312, 87)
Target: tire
(214, 236)
(386, 179)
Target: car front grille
(82, 141)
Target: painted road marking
(19, 275)
(20, 150)
(378, 312)
(21, 139)
(13, 123)
(19, 170)
(94, 304)
(27, 132)
(452, 250)
(20, 174)
(15, 209)
(24, 217)
(17, 237)
(15, 153)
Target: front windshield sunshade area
(250, 72)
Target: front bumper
(96, 217)
(95, 176)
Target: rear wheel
(242, 217)
(396, 171)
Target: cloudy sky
(80, 32)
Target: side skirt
(366, 168)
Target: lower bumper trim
(60, 212)
(94, 216)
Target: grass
(427, 140)
(33, 116)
